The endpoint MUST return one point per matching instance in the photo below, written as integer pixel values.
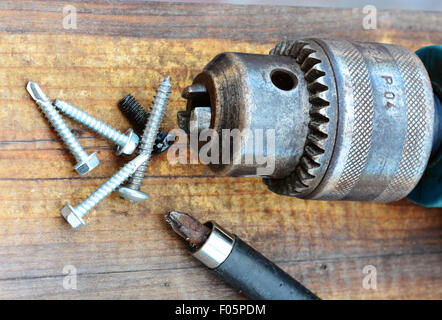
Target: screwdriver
(236, 262)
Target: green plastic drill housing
(428, 191)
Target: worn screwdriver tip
(35, 91)
(188, 228)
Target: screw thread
(138, 116)
(62, 129)
(110, 185)
(134, 112)
(86, 119)
(150, 132)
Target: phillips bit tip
(36, 93)
(187, 227)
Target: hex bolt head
(88, 164)
(131, 144)
(72, 217)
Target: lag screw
(131, 191)
(126, 143)
(74, 215)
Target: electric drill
(352, 120)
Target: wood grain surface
(127, 251)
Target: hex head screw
(74, 215)
(85, 163)
(137, 116)
(126, 143)
(131, 191)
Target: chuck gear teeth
(317, 86)
(299, 183)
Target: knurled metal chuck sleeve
(247, 270)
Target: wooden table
(128, 251)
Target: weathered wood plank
(127, 251)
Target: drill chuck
(351, 120)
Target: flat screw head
(132, 195)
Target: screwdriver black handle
(258, 278)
